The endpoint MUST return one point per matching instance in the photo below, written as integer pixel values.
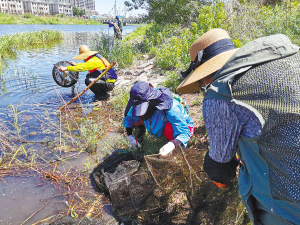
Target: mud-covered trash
(166, 190)
(130, 188)
(108, 165)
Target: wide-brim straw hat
(218, 45)
(84, 53)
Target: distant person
(156, 110)
(251, 107)
(119, 23)
(95, 64)
(117, 31)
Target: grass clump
(120, 99)
(121, 52)
(28, 40)
(30, 19)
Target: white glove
(167, 148)
(133, 141)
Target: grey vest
(264, 76)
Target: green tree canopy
(164, 11)
(78, 12)
(75, 11)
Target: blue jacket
(176, 115)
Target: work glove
(221, 173)
(62, 68)
(167, 148)
(133, 141)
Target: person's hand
(167, 148)
(73, 63)
(62, 68)
(133, 141)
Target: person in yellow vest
(95, 64)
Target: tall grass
(252, 21)
(121, 52)
(29, 19)
(29, 40)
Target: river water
(27, 87)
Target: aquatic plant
(28, 40)
(15, 114)
(29, 19)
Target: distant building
(3, 6)
(36, 7)
(85, 4)
(47, 7)
(61, 8)
(12, 6)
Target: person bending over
(95, 64)
(156, 110)
(251, 107)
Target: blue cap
(142, 94)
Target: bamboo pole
(88, 87)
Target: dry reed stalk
(35, 213)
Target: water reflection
(27, 84)
(22, 196)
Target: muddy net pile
(158, 190)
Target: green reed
(28, 40)
(58, 19)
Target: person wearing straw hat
(156, 110)
(251, 107)
(95, 64)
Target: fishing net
(64, 79)
(142, 189)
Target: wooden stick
(90, 85)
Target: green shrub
(121, 52)
(121, 97)
(27, 16)
(173, 80)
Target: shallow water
(8, 29)
(27, 87)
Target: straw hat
(84, 53)
(213, 49)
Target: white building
(61, 8)
(85, 4)
(3, 6)
(11, 6)
(36, 7)
(47, 7)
